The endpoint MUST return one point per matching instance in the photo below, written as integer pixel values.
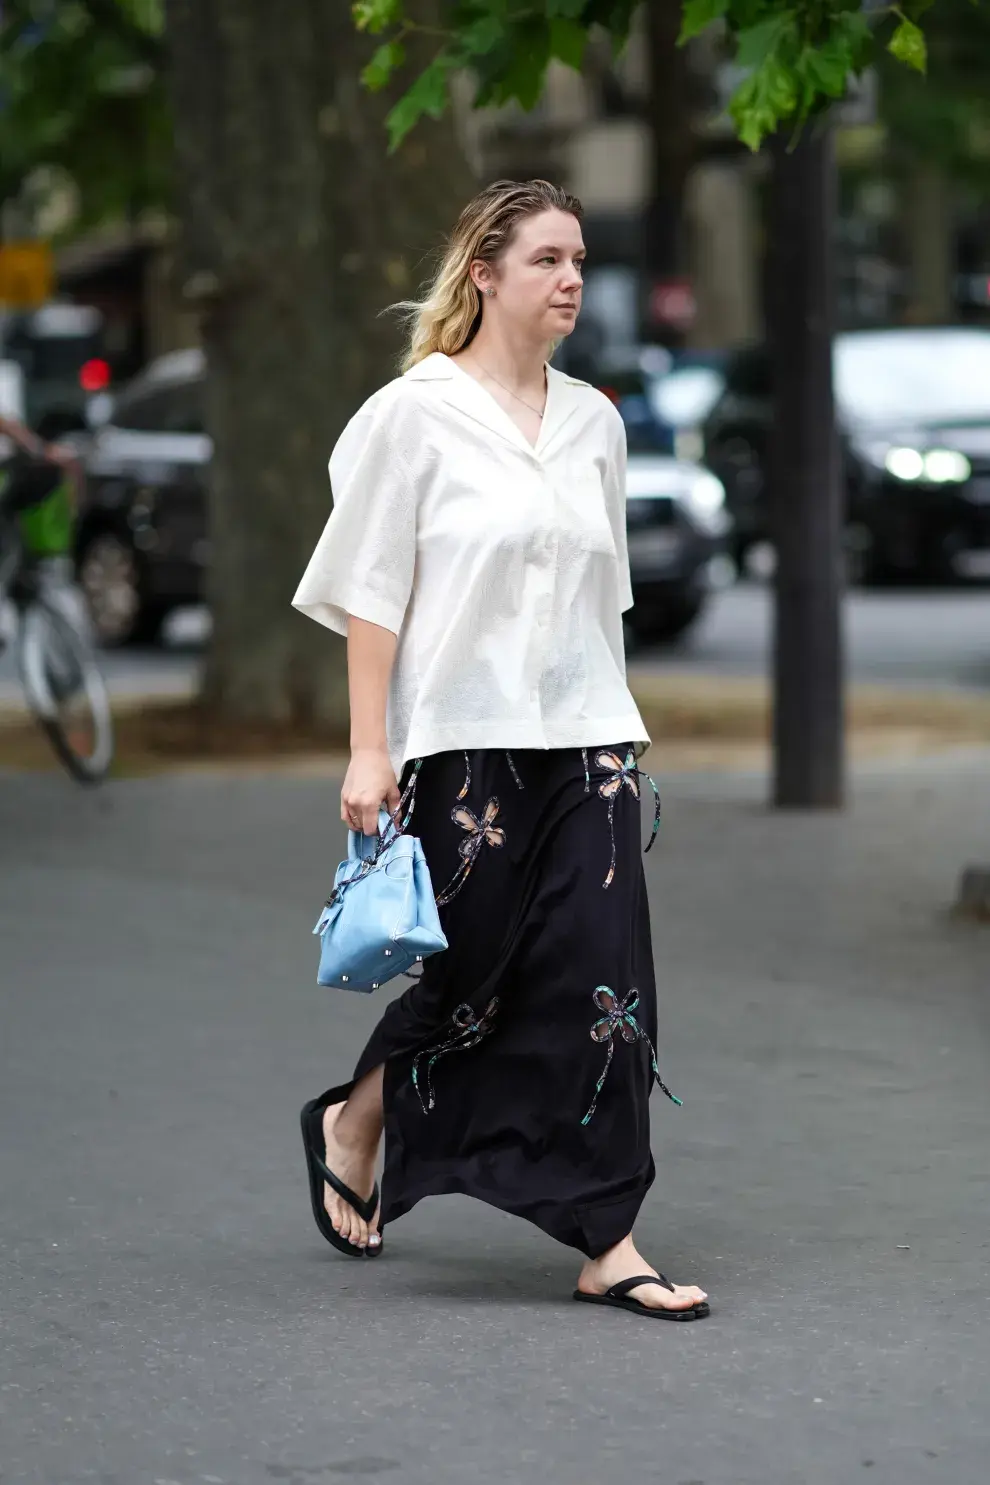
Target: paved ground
(899, 638)
(169, 1313)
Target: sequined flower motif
(619, 1016)
(620, 775)
(468, 1030)
(479, 834)
(479, 831)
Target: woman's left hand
(369, 784)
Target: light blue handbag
(381, 916)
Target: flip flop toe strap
(365, 1209)
(620, 1290)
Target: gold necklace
(539, 411)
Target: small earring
(490, 293)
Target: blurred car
(11, 391)
(913, 413)
(663, 397)
(682, 400)
(676, 527)
(142, 543)
(626, 376)
(59, 349)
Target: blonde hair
(448, 318)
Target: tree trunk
(298, 232)
(804, 474)
(671, 106)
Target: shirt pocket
(583, 500)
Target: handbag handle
(365, 851)
(364, 858)
(361, 847)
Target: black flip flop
(311, 1119)
(618, 1298)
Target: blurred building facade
(594, 133)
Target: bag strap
(395, 826)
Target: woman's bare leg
(353, 1132)
(623, 1262)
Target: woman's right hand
(369, 784)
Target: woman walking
(476, 561)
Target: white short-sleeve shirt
(501, 567)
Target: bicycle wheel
(66, 691)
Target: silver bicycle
(63, 684)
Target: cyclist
(40, 485)
(36, 469)
(39, 491)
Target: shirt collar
(470, 398)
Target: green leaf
(483, 35)
(568, 41)
(779, 87)
(759, 42)
(386, 60)
(853, 26)
(428, 95)
(517, 68)
(763, 101)
(376, 15)
(527, 81)
(823, 72)
(698, 16)
(750, 119)
(908, 45)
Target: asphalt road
(170, 1315)
(919, 639)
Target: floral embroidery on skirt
(620, 1016)
(622, 774)
(468, 1032)
(479, 833)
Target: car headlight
(938, 466)
(947, 466)
(704, 497)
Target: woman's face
(537, 281)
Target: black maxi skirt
(518, 1068)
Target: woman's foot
(624, 1262)
(351, 1158)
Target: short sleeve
(364, 561)
(615, 500)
